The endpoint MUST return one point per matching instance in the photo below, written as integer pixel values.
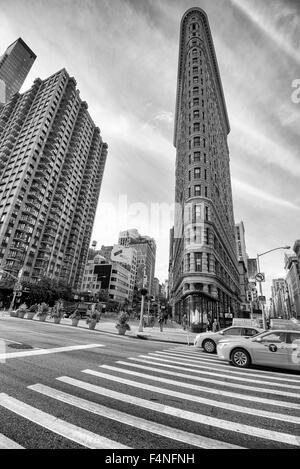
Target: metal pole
(142, 304)
(148, 311)
(260, 291)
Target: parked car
(274, 348)
(209, 340)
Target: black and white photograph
(149, 228)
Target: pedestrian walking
(209, 325)
(184, 322)
(215, 326)
(161, 321)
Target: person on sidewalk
(184, 322)
(215, 326)
(161, 322)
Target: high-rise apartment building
(15, 65)
(205, 271)
(52, 160)
(146, 255)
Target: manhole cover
(19, 346)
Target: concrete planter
(30, 315)
(122, 330)
(92, 324)
(56, 320)
(21, 314)
(75, 322)
(13, 314)
(42, 317)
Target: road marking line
(201, 400)
(223, 365)
(136, 422)
(210, 358)
(28, 353)
(208, 380)
(246, 397)
(13, 341)
(6, 443)
(221, 375)
(58, 426)
(187, 415)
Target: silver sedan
(209, 340)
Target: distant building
(252, 268)
(156, 288)
(278, 290)
(116, 276)
(240, 242)
(292, 285)
(15, 65)
(146, 256)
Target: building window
(196, 114)
(198, 261)
(197, 191)
(206, 213)
(196, 141)
(197, 173)
(197, 127)
(197, 156)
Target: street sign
(260, 277)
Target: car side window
(233, 331)
(274, 337)
(292, 336)
(249, 332)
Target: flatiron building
(204, 268)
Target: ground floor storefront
(198, 308)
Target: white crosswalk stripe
(255, 409)
(136, 422)
(197, 369)
(6, 443)
(235, 395)
(65, 429)
(219, 365)
(192, 416)
(239, 378)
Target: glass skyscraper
(15, 65)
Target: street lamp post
(260, 283)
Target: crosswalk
(178, 397)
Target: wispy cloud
(280, 27)
(251, 192)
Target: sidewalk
(172, 332)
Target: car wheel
(209, 346)
(240, 358)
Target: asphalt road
(74, 388)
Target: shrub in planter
(57, 311)
(32, 310)
(92, 319)
(75, 318)
(13, 314)
(43, 310)
(122, 324)
(21, 310)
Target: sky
(124, 57)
